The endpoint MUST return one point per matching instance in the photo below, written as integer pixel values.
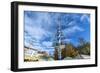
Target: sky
(40, 28)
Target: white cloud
(77, 28)
(85, 17)
(67, 40)
(26, 44)
(36, 27)
(73, 29)
(72, 23)
(36, 32)
(47, 43)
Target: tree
(84, 47)
(56, 54)
(69, 51)
(81, 41)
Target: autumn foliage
(69, 51)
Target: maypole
(59, 40)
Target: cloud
(26, 43)
(67, 40)
(47, 43)
(85, 17)
(71, 23)
(73, 29)
(77, 28)
(35, 32)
